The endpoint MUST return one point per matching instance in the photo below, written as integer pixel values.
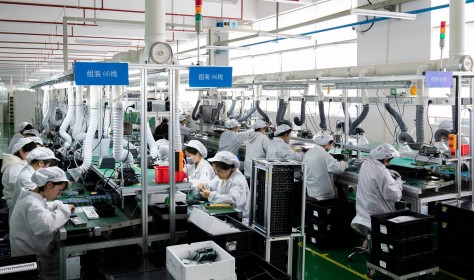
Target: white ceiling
(31, 31)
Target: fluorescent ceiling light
(289, 1)
(131, 24)
(103, 42)
(88, 51)
(223, 1)
(33, 80)
(378, 13)
(226, 48)
(51, 70)
(280, 35)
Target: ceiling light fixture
(103, 42)
(281, 35)
(88, 51)
(227, 48)
(51, 70)
(223, 1)
(386, 14)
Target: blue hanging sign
(210, 76)
(434, 79)
(101, 74)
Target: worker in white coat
(279, 147)
(197, 168)
(256, 146)
(378, 188)
(320, 167)
(229, 186)
(22, 127)
(36, 222)
(13, 164)
(231, 139)
(38, 158)
(185, 131)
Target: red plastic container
(465, 150)
(162, 175)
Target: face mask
(190, 160)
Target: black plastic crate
(451, 212)
(236, 244)
(402, 248)
(330, 210)
(456, 246)
(328, 241)
(456, 265)
(330, 228)
(253, 267)
(421, 226)
(455, 228)
(402, 266)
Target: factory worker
(161, 131)
(22, 127)
(279, 147)
(36, 222)
(231, 139)
(13, 164)
(320, 167)
(38, 158)
(38, 141)
(256, 146)
(378, 188)
(163, 154)
(197, 168)
(31, 133)
(229, 186)
(185, 131)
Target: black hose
(397, 117)
(261, 112)
(300, 121)
(420, 130)
(231, 109)
(281, 113)
(322, 116)
(404, 137)
(246, 116)
(343, 104)
(440, 133)
(353, 130)
(195, 115)
(454, 112)
(216, 112)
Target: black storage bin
(330, 210)
(161, 220)
(331, 228)
(456, 265)
(239, 243)
(328, 241)
(449, 211)
(402, 248)
(405, 265)
(253, 267)
(421, 226)
(26, 275)
(104, 209)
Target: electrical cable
(428, 120)
(329, 110)
(388, 128)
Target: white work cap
(21, 142)
(37, 140)
(259, 124)
(229, 124)
(323, 139)
(226, 157)
(163, 152)
(182, 117)
(384, 151)
(40, 153)
(448, 125)
(31, 132)
(162, 142)
(49, 174)
(281, 129)
(198, 146)
(21, 126)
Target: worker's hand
(395, 174)
(71, 207)
(201, 187)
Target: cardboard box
(222, 269)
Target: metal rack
(264, 190)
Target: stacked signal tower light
(442, 39)
(198, 25)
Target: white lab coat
(320, 167)
(377, 191)
(203, 173)
(230, 141)
(23, 181)
(233, 190)
(33, 231)
(12, 165)
(281, 150)
(256, 147)
(185, 131)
